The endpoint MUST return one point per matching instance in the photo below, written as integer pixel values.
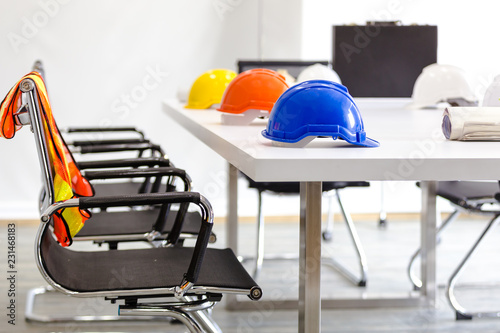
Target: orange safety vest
(68, 180)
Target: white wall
(99, 55)
(113, 62)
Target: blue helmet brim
(367, 142)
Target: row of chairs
(165, 279)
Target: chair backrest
(62, 178)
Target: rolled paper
(471, 123)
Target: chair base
(31, 316)
(260, 256)
(462, 313)
(415, 280)
(358, 281)
(197, 319)
(461, 316)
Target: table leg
(232, 220)
(310, 258)
(428, 231)
(232, 209)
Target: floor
(388, 250)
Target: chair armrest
(191, 276)
(123, 163)
(119, 148)
(79, 143)
(100, 130)
(139, 173)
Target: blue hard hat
(317, 108)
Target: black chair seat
(294, 187)
(135, 222)
(139, 269)
(118, 188)
(460, 192)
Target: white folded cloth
(471, 123)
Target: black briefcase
(382, 59)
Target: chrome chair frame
(474, 206)
(359, 280)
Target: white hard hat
(492, 94)
(442, 83)
(318, 72)
(288, 77)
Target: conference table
(412, 148)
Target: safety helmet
(316, 108)
(492, 94)
(208, 88)
(318, 72)
(255, 89)
(442, 83)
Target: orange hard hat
(257, 89)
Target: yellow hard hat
(209, 88)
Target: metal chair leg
(328, 231)
(382, 220)
(259, 256)
(460, 311)
(31, 316)
(361, 280)
(415, 280)
(197, 321)
(206, 322)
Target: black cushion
(460, 192)
(112, 189)
(294, 187)
(135, 222)
(138, 269)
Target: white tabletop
(412, 147)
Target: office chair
(160, 227)
(474, 197)
(178, 282)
